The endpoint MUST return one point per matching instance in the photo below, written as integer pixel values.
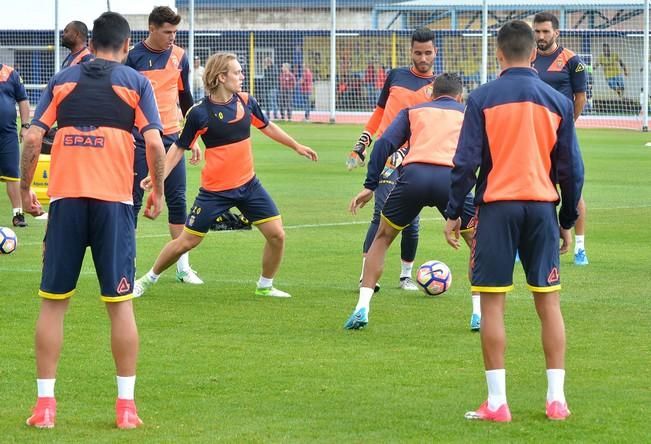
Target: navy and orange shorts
(9, 157)
(501, 229)
(107, 228)
(251, 199)
(174, 183)
(423, 185)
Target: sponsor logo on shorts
(553, 276)
(81, 140)
(123, 286)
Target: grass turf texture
(219, 364)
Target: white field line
(356, 222)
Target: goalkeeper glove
(358, 154)
(393, 162)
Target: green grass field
(219, 364)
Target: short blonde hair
(215, 65)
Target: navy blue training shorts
(423, 185)
(107, 228)
(504, 227)
(9, 158)
(251, 199)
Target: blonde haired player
(223, 120)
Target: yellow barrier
(41, 179)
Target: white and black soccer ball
(8, 240)
(434, 278)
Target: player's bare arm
(196, 155)
(156, 163)
(566, 240)
(31, 150)
(452, 231)
(172, 158)
(579, 103)
(362, 198)
(23, 110)
(276, 133)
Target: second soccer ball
(8, 240)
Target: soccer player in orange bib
(96, 104)
(431, 131)
(519, 133)
(223, 120)
(166, 66)
(404, 87)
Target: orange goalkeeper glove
(358, 154)
(393, 162)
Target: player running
(432, 131)
(564, 71)
(223, 120)
(166, 66)
(96, 104)
(404, 87)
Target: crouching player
(432, 130)
(223, 120)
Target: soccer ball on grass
(434, 278)
(8, 240)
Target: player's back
(435, 128)
(96, 105)
(522, 115)
(403, 88)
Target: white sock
(476, 304)
(555, 384)
(579, 243)
(183, 264)
(45, 388)
(126, 386)
(17, 211)
(361, 274)
(365, 295)
(264, 282)
(496, 381)
(406, 268)
(152, 276)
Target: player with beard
(403, 88)
(75, 37)
(564, 71)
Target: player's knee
(277, 237)
(187, 242)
